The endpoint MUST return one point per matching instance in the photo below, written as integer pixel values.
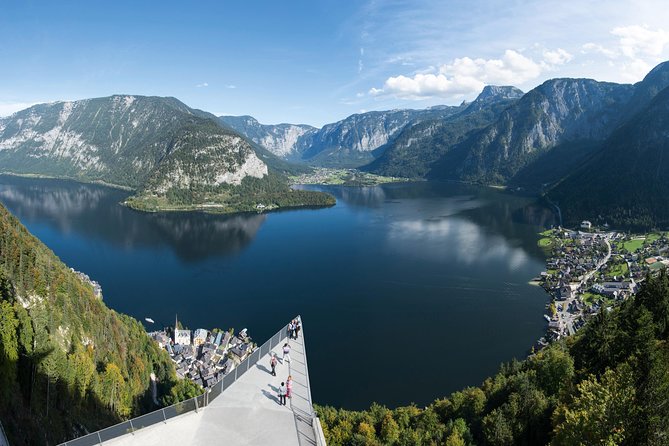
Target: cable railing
(192, 405)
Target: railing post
(132, 428)
(99, 437)
(196, 408)
(164, 416)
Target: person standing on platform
(286, 353)
(282, 394)
(272, 363)
(298, 327)
(289, 386)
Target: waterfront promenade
(247, 412)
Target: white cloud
(557, 57)
(638, 41)
(8, 108)
(464, 76)
(203, 84)
(592, 47)
(634, 52)
(231, 87)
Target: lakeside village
(204, 356)
(589, 269)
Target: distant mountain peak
(499, 92)
(659, 69)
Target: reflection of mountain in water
(94, 210)
(195, 236)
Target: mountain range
(350, 142)
(172, 156)
(560, 139)
(555, 140)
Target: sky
(318, 61)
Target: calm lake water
(407, 292)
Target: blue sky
(318, 61)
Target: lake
(407, 291)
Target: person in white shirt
(286, 353)
(282, 394)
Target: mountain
(420, 144)
(627, 181)
(283, 140)
(174, 156)
(351, 142)
(574, 112)
(68, 364)
(644, 92)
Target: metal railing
(4, 441)
(194, 404)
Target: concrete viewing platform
(247, 412)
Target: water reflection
(94, 211)
(456, 239)
(450, 262)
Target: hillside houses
(587, 271)
(208, 355)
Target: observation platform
(244, 411)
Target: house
(226, 339)
(200, 336)
(585, 224)
(223, 363)
(240, 350)
(219, 338)
(182, 337)
(161, 338)
(566, 292)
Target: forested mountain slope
(68, 364)
(607, 385)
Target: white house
(585, 224)
(182, 337)
(200, 336)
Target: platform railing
(192, 405)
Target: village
(204, 356)
(590, 269)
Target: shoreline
(65, 178)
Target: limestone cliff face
(557, 112)
(135, 141)
(346, 143)
(283, 140)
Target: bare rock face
(346, 143)
(126, 140)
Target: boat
(547, 317)
(148, 319)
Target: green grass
(545, 242)
(619, 269)
(547, 233)
(650, 238)
(589, 299)
(633, 245)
